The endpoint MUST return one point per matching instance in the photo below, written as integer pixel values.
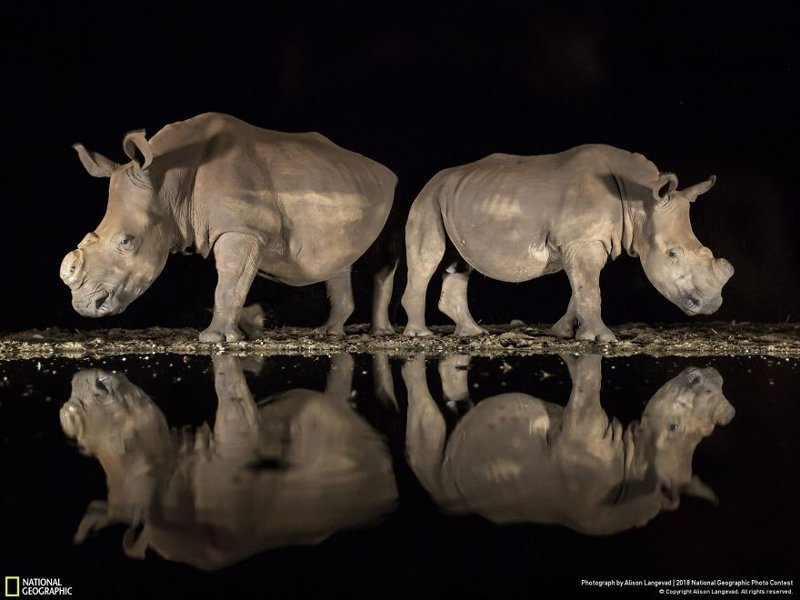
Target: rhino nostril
(100, 300)
(692, 303)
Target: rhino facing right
(515, 218)
(513, 458)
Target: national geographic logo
(35, 586)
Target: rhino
(515, 458)
(515, 218)
(292, 207)
(291, 470)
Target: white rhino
(291, 471)
(515, 218)
(515, 458)
(292, 207)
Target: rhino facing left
(292, 207)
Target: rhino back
(494, 454)
(501, 462)
(332, 472)
(510, 216)
(315, 206)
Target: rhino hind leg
(237, 256)
(583, 263)
(453, 300)
(382, 285)
(340, 295)
(426, 430)
(425, 246)
(382, 382)
(454, 373)
(339, 383)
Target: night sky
(698, 89)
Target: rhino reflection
(292, 470)
(516, 458)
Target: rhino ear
(667, 183)
(694, 191)
(698, 489)
(135, 540)
(96, 518)
(137, 148)
(95, 163)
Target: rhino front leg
(236, 426)
(565, 327)
(340, 295)
(584, 421)
(583, 263)
(238, 256)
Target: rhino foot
(563, 329)
(333, 330)
(470, 329)
(416, 331)
(413, 369)
(380, 330)
(227, 334)
(601, 333)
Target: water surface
(220, 476)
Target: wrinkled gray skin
(515, 458)
(293, 207)
(288, 472)
(515, 218)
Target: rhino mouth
(696, 304)
(692, 304)
(100, 303)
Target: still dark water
(363, 476)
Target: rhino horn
(137, 148)
(667, 183)
(71, 268)
(95, 163)
(723, 268)
(694, 191)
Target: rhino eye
(126, 242)
(675, 427)
(674, 255)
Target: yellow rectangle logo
(12, 587)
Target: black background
(699, 89)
